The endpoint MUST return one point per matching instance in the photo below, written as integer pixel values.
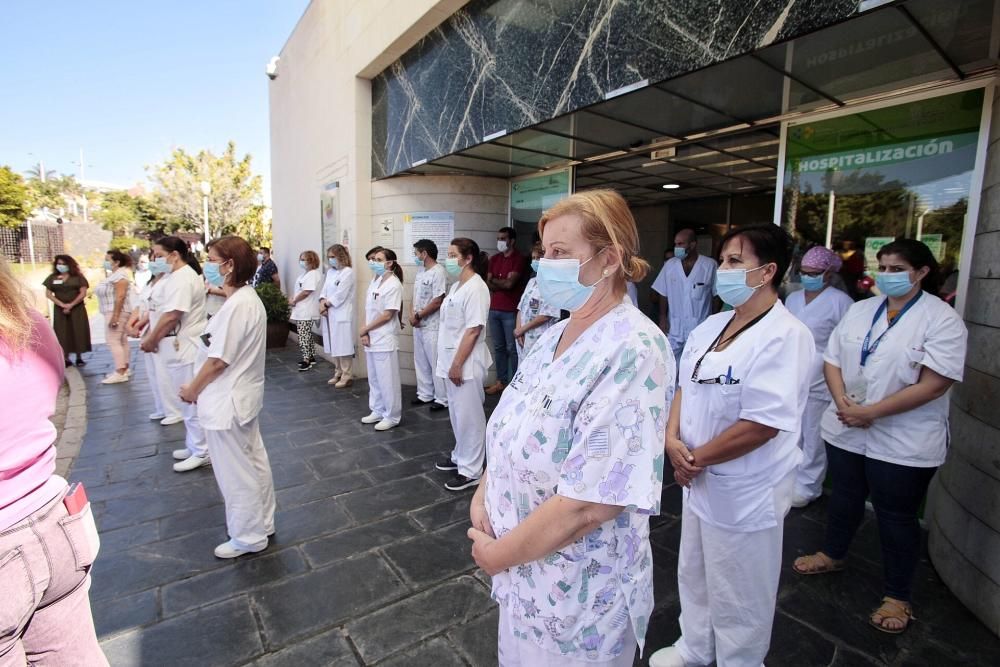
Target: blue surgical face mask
(417, 261)
(559, 283)
(534, 265)
(332, 261)
(452, 267)
(302, 264)
(212, 274)
(62, 268)
(378, 268)
(158, 266)
(260, 257)
(731, 285)
(812, 283)
(107, 265)
(893, 284)
(680, 252)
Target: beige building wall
(320, 116)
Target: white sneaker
(371, 419)
(801, 501)
(230, 550)
(181, 454)
(167, 421)
(385, 425)
(191, 462)
(115, 378)
(156, 416)
(334, 380)
(667, 657)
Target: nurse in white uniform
(889, 365)
(229, 392)
(177, 335)
(685, 288)
(428, 293)
(733, 439)
(820, 306)
(167, 404)
(534, 315)
(336, 306)
(380, 338)
(575, 463)
(462, 362)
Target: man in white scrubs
(685, 288)
(429, 289)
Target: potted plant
(278, 311)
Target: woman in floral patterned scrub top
(575, 455)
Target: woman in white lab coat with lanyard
(176, 336)
(336, 307)
(889, 366)
(462, 361)
(732, 438)
(820, 306)
(380, 338)
(229, 393)
(167, 404)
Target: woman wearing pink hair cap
(820, 307)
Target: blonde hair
(340, 252)
(15, 316)
(607, 221)
(311, 258)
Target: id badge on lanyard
(868, 347)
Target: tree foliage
(118, 213)
(234, 205)
(15, 201)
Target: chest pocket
(910, 364)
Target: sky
(130, 81)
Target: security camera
(272, 68)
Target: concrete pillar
(963, 508)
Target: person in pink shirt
(45, 552)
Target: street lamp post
(206, 189)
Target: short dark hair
(236, 250)
(511, 234)
(770, 243)
(266, 249)
(428, 246)
(368, 255)
(917, 255)
(123, 259)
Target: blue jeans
(505, 351)
(896, 493)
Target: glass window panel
(757, 95)
(962, 29)
(902, 171)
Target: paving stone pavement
(370, 564)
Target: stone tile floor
(370, 564)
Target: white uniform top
(466, 306)
(142, 278)
(384, 293)
(771, 361)
(532, 306)
(156, 299)
(589, 426)
(338, 290)
(689, 296)
(142, 300)
(929, 334)
(307, 308)
(184, 291)
(213, 302)
(820, 315)
(236, 335)
(427, 286)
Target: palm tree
(36, 173)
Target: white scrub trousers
(243, 473)
(194, 439)
(728, 587)
(167, 405)
(812, 470)
(171, 402)
(468, 421)
(515, 652)
(429, 386)
(385, 393)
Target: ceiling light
(670, 186)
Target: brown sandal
(892, 609)
(817, 563)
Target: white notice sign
(438, 226)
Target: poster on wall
(385, 232)
(872, 245)
(329, 215)
(437, 226)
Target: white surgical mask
(502, 246)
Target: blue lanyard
(868, 348)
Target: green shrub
(125, 243)
(275, 303)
